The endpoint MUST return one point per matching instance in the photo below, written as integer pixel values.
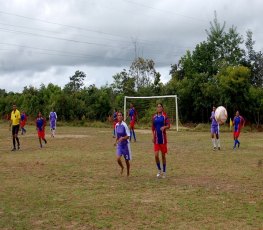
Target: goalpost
(147, 109)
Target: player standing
(53, 122)
(214, 130)
(14, 122)
(115, 121)
(122, 141)
(40, 125)
(160, 122)
(238, 123)
(132, 115)
(23, 122)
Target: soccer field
(74, 182)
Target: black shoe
(45, 141)
(238, 145)
(18, 147)
(13, 149)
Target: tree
(254, 60)
(234, 88)
(76, 82)
(123, 83)
(143, 71)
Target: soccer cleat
(214, 149)
(45, 141)
(164, 175)
(159, 174)
(41, 146)
(13, 149)
(238, 144)
(18, 147)
(218, 148)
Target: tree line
(222, 70)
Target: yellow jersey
(15, 117)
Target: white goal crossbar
(150, 97)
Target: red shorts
(132, 123)
(41, 134)
(22, 124)
(236, 134)
(160, 147)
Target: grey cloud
(161, 30)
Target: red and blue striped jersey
(158, 121)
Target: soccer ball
(221, 115)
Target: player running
(122, 141)
(160, 122)
(238, 123)
(40, 125)
(23, 122)
(53, 122)
(14, 122)
(132, 115)
(214, 131)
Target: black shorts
(15, 129)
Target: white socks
(216, 143)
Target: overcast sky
(46, 41)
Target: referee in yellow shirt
(14, 122)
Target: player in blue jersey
(40, 126)
(214, 130)
(160, 122)
(115, 121)
(133, 116)
(238, 123)
(122, 142)
(23, 121)
(53, 122)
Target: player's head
(131, 105)
(214, 108)
(14, 107)
(39, 114)
(237, 113)
(120, 116)
(159, 108)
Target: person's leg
(235, 141)
(14, 143)
(43, 136)
(128, 167)
(120, 163)
(40, 142)
(134, 136)
(164, 163)
(157, 161)
(18, 143)
(218, 142)
(213, 138)
(16, 136)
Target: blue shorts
(215, 129)
(124, 150)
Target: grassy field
(74, 182)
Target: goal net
(146, 108)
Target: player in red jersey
(40, 125)
(160, 122)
